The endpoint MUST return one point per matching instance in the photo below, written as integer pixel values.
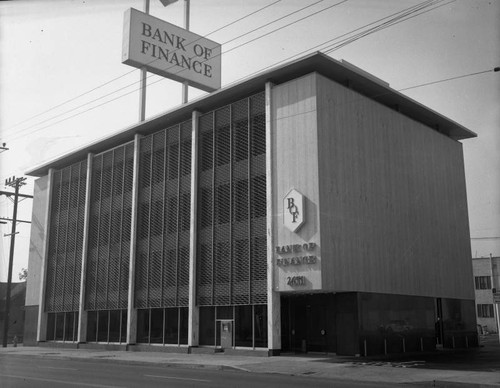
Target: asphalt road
(22, 371)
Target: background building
(308, 208)
(16, 310)
(486, 278)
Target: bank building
(308, 208)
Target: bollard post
(421, 344)
(453, 342)
(467, 342)
(385, 346)
(366, 351)
(404, 345)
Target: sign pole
(185, 84)
(495, 301)
(144, 75)
(16, 183)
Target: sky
(62, 83)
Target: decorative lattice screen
(231, 253)
(109, 232)
(162, 262)
(64, 259)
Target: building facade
(308, 208)
(486, 281)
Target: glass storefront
(165, 326)
(107, 326)
(62, 326)
(396, 323)
(458, 323)
(249, 325)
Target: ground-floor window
(249, 325)
(485, 311)
(62, 326)
(108, 326)
(167, 326)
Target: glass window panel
(123, 337)
(59, 327)
(172, 325)
(143, 326)
(260, 326)
(224, 312)
(102, 326)
(243, 326)
(69, 327)
(114, 325)
(458, 315)
(156, 333)
(92, 326)
(51, 326)
(183, 331)
(207, 326)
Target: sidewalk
(334, 367)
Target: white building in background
(486, 280)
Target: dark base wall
(30, 325)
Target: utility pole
(15, 183)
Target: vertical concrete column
(41, 333)
(194, 311)
(273, 297)
(132, 312)
(82, 313)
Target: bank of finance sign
(170, 51)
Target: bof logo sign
(293, 210)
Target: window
(106, 326)
(485, 310)
(482, 282)
(162, 326)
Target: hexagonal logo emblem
(294, 210)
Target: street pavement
(479, 367)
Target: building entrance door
(307, 323)
(226, 334)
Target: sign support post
(185, 84)
(144, 72)
(144, 75)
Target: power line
(447, 79)
(407, 11)
(400, 14)
(276, 20)
(374, 96)
(129, 72)
(136, 82)
(319, 46)
(378, 95)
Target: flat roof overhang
(340, 72)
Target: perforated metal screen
(232, 253)
(64, 258)
(162, 262)
(109, 231)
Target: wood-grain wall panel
(393, 201)
(295, 166)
